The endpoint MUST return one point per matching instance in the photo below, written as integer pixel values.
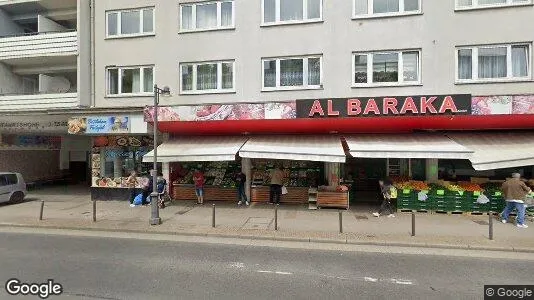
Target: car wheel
(17, 197)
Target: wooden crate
(211, 193)
(294, 195)
(333, 199)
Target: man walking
(515, 191)
(241, 180)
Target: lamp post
(154, 216)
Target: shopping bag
(422, 196)
(284, 190)
(393, 192)
(529, 201)
(482, 199)
(138, 200)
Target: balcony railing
(36, 102)
(39, 44)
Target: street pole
(154, 217)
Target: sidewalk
(72, 209)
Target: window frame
(304, 20)
(119, 84)
(119, 12)
(370, 14)
(219, 89)
(193, 16)
(509, 66)
(305, 73)
(475, 5)
(400, 69)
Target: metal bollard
(41, 211)
(276, 216)
(94, 210)
(413, 223)
(340, 221)
(490, 225)
(213, 216)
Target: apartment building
(44, 76)
(242, 68)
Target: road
(115, 268)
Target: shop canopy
(295, 147)
(406, 146)
(498, 150)
(199, 148)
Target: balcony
(38, 45)
(37, 102)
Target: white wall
(7, 26)
(44, 24)
(9, 82)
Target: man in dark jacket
(241, 180)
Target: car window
(11, 179)
(3, 180)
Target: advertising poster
(99, 125)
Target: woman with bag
(277, 177)
(386, 187)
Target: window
(207, 16)
(130, 22)
(291, 11)
(474, 4)
(130, 80)
(371, 8)
(207, 77)
(493, 63)
(387, 68)
(292, 73)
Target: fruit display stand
(333, 199)
(406, 200)
(185, 192)
(296, 195)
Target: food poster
(492, 105)
(523, 104)
(220, 112)
(99, 125)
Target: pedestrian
(131, 183)
(199, 180)
(162, 189)
(241, 180)
(148, 188)
(385, 187)
(515, 192)
(275, 192)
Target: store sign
(99, 125)
(384, 106)
(33, 124)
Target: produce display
(412, 185)
(216, 173)
(296, 173)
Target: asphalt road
(113, 268)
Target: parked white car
(12, 187)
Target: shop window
(128, 23)
(292, 73)
(476, 4)
(493, 63)
(296, 173)
(208, 77)
(130, 80)
(386, 68)
(378, 8)
(221, 174)
(207, 16)
(278, 12)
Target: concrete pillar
(246, 168)
(84, 51)
(432, 170)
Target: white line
(405, 282)
(283, 273)
(260, 271)
(370, 279)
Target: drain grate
(480, 222)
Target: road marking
(237, 265)
(370, 279)
(261, 271)
(404, 282)
(283, 273)
(275, 272)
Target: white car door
(5, 189)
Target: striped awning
(406, 146)
(498, 150)
(295, 147)
(198, 148)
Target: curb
(339, 241)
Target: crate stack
(476, 207)
(496, 203)
(406, 200)
(438, 200)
